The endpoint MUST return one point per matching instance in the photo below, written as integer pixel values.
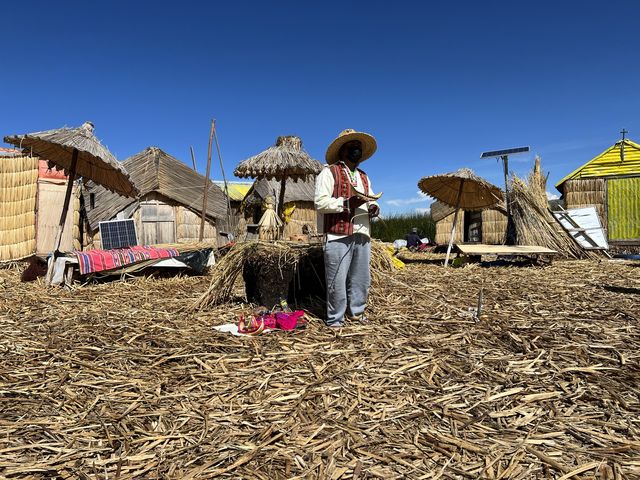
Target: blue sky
(435, 83)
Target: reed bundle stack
(534, 223)
(273, 266)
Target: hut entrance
(472, 227)
(158, 221)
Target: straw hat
(369, 145)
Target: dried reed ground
(114, 381)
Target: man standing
(343, 216)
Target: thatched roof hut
(170, 203)
(31, 196)
(488, 226)
(300, 213)
(283, 161)
(611, 182)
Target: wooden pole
(67, 199)
(193, 159)
(224, 177)
(283, 182)
(206, 184)
(455, 221)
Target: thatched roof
(153, 170)
(476, 193)
(94, 163)
(286, 158)
(294, 191)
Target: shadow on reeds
(626, 290)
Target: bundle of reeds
(280, 259)
(534, 223)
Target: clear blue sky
(436, 83)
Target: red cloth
(99, 260)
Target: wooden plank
(482, 249)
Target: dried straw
(286, 158)
(119, 381)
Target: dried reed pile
(279, 258)
(117, 381)
(534, 223)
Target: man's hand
(374, 210)
(353, 202)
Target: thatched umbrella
(286, 159)
(79, 153)
(460, 189)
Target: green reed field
(392, 227)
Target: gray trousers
(346, 263)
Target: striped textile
(92, 261)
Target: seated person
(413, 239)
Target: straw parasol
(285, 159)
(460, 189)
(79, 153)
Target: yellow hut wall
(623, 205)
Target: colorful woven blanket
(99, 260)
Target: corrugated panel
(609, 163)
(624, 208)
(237, 190)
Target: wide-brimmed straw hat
(369, 144)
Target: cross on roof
(624, 131)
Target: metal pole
(511, 233)
(206, 184)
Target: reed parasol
(79, 153)
(285, 159)
(460, 189)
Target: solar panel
(508, 151)
(118, 234)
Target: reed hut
(488, 226)
(610, 182)
(31, 196)
(169, 207)
(284, 162)
(299, 209)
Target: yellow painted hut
(610, 182)
(169, 207)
